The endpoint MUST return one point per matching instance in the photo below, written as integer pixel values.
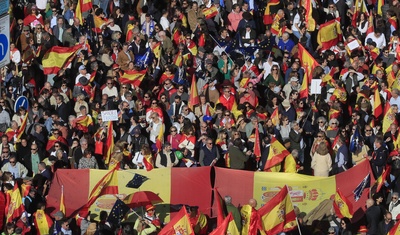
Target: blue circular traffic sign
(3, 46)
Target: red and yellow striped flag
(268, 14)
(180, 224)
(57, 57)
(157, 50)
(290, 165)
(381, 179)
(194, 97)
(220, 207)
(160, 138)
(395, 229)
(278, 215)
(42, 222)
(277, 153)
(329, 34)
(303, 92)
(62, 203)
(210, 12)
(148, 162)
(275, 117)
(227, 226)
(328, 78)
(21, 129)
(389, 118)
(377, 104)
(133, 77)
(307, 61)
(342, 206)
(14, 204)
(257, 143)
(109, 142)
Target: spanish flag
(382, 178)
(180, 224)
(157, 50)
(388, 119)
(133, 77)
(275, 117)
(395, 229)
(181, 59)
(98, 22)
(310, 22)
(303, 92)
(277, 153)
(290, 165)
(278, 215)
(221, 207)
(210, 12)
(21, 129)
(371, 27)
(62, 203)
(329, 34)
(307, 61)
(257, 144)
(391, 76)
(86, 5)
(227, 160)
(268, 15)
(57, 57)
(379, 5)
(377, 104)
(42, 222)
(14, 204)
(328, 78)
(109, 142)
(227, 226)
(359, 8)
(342, 206)
(193, 97)
(148, 162)
(160, 138)
(251, 220)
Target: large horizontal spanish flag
(57, 57)
(174, 186)
(329, 34)
(306, 192)
(133, 77)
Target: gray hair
(292, 124)
(228, 199)
(83, 141)
(395, 194)
(333, 120)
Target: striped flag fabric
(329, 34)
(221, 207)
(257, 143)
(157, 50)
(268, 15)
(194, 97)
(148, 162)
(342, 206)
(14, 204)
(180, 224)
(21, 129)
(303, 92)
(42, 222)
(109, 142)
(378, 110)
(210, 12)
(62, 202)
(381, 179)
(227, 226)
(133, 77)
(160, 138)
(57, 57)
(277, 153)
(275, 117)
(307, 61)
(278, 215)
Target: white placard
(353, 45)
(109, 115)
(316, 86)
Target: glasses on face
(124, 87)
(33, 149)
(209, 143)
(36, 106)
(5, 151)
(368, 130)
(153, 117)
(173, 131)
(147, 97)
(56, 146)
(320, 136)
(185, 110)
(167, 83)
(226, 91)
(227, 114)
(108, 83)
(250, 87)
(274, 69)
(64, 85)
(154, 103)
(12, 162)
(394, 198)
(203, 126)
(320, 122)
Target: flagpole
(221, 47)
(297, 221)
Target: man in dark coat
(373, 215)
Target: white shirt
(110, 92)
(15, 56)
(395, 101)
(80, 75)
(380, 42)
(164, 23)
(267, 68)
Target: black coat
(374, 216)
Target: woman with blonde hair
(321, 161)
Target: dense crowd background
(244, 57)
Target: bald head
(369, 203)
(253, 202)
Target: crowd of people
(222, 83)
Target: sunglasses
(12, 162)
(33, 149)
